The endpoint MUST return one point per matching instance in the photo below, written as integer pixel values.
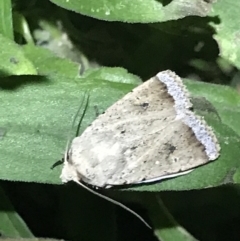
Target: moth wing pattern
(139, 138)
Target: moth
(149, 135)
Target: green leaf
(13, 61)
(6, 25)
(21, 27)
(227, 29)
(217, 95)
(38, 118)
(108, 74)
(39, 115)
(48, 63)
(11, 224)
(138, 10)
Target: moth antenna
(83, 114)
(79, 123)
(114, 202)
(81, 184)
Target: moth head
(68, 172)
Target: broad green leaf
(11, 224)
(6, 25)
(138, 10)
(108, 74)
(38, 120)
(230, 111)
(13, 60)
(227, 29)
(48, 63)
